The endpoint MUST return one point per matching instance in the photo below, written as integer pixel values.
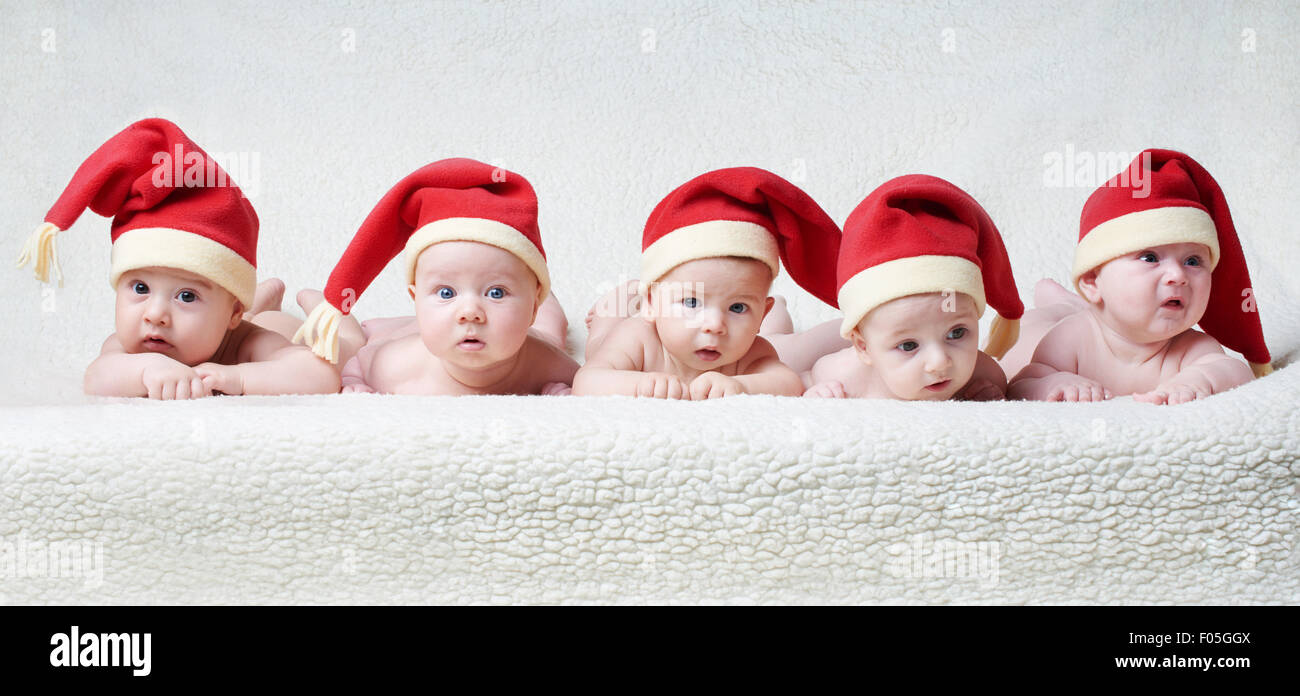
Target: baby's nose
(469, 310)
(711, 322)
(937, 361)
(156, 311)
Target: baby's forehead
(469, 259)
(918, 311)
(722, 275)
(159, 274)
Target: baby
(184, 272)
(477, 273)
(917, 263)
(710, 251)
(1157, 254)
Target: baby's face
(707, 312)
(473, 302)
(923, 347)
(1151, 295)
(173, 312)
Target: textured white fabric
(606, 108)
(363, 498)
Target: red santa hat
(172, 206)
(1166, 197)
(919, 234)
(746, 212)
(446, 201)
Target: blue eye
(140, 289)
(690, 302)
(908, 346)
(446, 293)
(1148, 256)
(957, 333)
(1193, 261)
(186, 296)
(739, 308)
(496, 292)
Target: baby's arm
(354, 374)
(1050, 375)
(1206, 370)
(118, 373)
(270, 364)
(763, 373)
(987, 383)
(616, 368)
(828, 375)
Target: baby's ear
(771, 301)
(537, 302)
(410, 289)
(647, 309)
(1088, 287)
(236, 316)
(860, 345)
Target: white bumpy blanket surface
(386, 499)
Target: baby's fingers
(677, 390)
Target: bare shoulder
(628, 345)
(1191, 345)
(760, 351)
(111, 345)
(1059, 347)
(252, 343)
(842, 366)
(392, 362)
(547, 361)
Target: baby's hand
(556, 389)
(1173, 393)
(980, 389)
(661, 385)
(826, 390)
(712, 385)
(221, 378)
(357, 388)
(1067, 386)
(174, 381)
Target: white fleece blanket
(362, 498)
(605, 107)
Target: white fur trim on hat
(168, 248)
(1143, 230)
(912, 275)
(482, 230)
(709, 240)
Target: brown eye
(140, 288)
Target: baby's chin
(181, 354)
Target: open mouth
(939, 386)
(155, 343)
(471, 344)
(707, 354)
(1173, 303)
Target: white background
(607, 106)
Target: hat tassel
(1002, 335)
(320, 332)
(40, 251)
(1261, 369)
